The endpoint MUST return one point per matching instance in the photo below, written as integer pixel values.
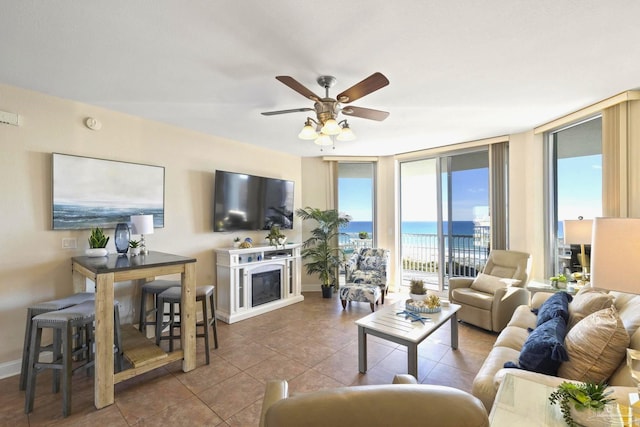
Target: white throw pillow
(489, 284)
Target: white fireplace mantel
(234, 271)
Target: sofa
(402, 403)
(583, 355)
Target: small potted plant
(363, 235)
(418, 291)
(134, 247)
(559, 281)
(97, 243)
(275, 236)
(579, 401)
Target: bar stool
(173, 296)
(40, 308)
(81, 317)
(154, 288)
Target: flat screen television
(249, 202)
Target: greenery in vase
(274, 235)
(417, 287)
(97, 239)
(581, 396)
(363, 235)
(134, 243)
(321, 251)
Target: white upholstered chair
(489, 300)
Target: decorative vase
(96, 252)
(282, 240)
(121, 237)
(417, 297)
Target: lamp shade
(615, 250)
(577, 232)
(142, 224)
(331, 127)
(308, 133)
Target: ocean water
(414, 227)
(69, 217)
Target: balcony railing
(465, 255)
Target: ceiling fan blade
(365, 113)
(298, 87)
(294, 110)
(372, 83)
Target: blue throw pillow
(555, 305)
(544, 351)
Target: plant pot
(417, 297)
(327, 291)
(96, 252)
(134, 251)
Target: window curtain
(498, 197)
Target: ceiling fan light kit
(327, 109)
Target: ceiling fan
(327, 109)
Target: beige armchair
(489, 300)
(402, 403)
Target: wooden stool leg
(172, 318)
(372, 306)
(214, 322)
(159, 316)
(344, 303)
(67, 357)
(205, 327)
(143, 314)
(55, 384)
(36, 338)
(25, 351)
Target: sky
(579, 192)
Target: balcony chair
(368, 266)
(489, 300)
(402, 403)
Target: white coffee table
(389, 325)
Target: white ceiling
(459, 70)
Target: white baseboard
(310, 288)
(9, 369)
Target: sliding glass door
(444, 217)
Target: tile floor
(312, 344)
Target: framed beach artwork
(90, 192)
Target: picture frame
(88, 192)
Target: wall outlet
(69, 243)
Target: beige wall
(33, 265)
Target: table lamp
(615, 252)
(142, 224)
(578, 232)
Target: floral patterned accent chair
(369, 266)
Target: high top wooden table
(104, 271)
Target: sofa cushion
(586, 302)
(523, 318)
(489, 284)
(543, 351)
(514, 338)
(596, 345)
(556, 305)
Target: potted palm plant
(321, 251)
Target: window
(356, 190)
(574, 187)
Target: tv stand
(257, 280)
